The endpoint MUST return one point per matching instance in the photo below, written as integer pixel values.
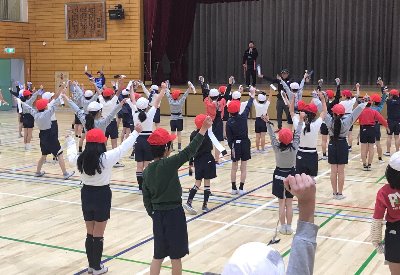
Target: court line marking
(84, 252)
(366, 262)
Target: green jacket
(162, 189)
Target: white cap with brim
(214, 92)
(142, 103)
(154, 87)
(94, 106)
(256, 259)
(394, 161)
(261, 97)
(88, 93)
(125, 92)
(236, 95)
(47, 95)
(294, 86)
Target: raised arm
(147, 93)
(297, 133)
(157, 100)
(16, 94)
(107, 120)
(32, 99)
(79, 112)
(27, 108)
(249, 103)
(324, 111)
(291, 107)
(274, 140)
(185, 95)
(349, 120)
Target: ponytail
(337, 126)
(310, 118)
(142, 115)
(89, 125)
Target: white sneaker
(234, 192)
(334, 196)
(101, 271)
(90, 270)
(324, 157)
(140, 192)
(242, 192)
(386, 154)
(340, 196)
(189, 209)
(289, 230)
(68, 175)
(282, 229)
(117, 165)
(40, 174)
(381, 161)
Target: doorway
(11, 70)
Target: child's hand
(207, 123)
(122, 102)
(138, 128)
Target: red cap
(26, 93)
(234, 107)
(285, 136)
(175, 94)
(199, 120)
(338, 109)
(312, 108)
(108, 92)
(394, 92)
(330, 93)
(160, 137)
(301, 105)
(96, 135)
(347, 93)
(41, 104)
(137, 96)
(222, 89)
(375, 98)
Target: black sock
(89, 249)
(179, 146)
(79, 136)
(324, 154)
(97, 252)
(139, 177)
(76, 135)
(234, 186)
(379, 158)
(207, 193)
(192, 193)
(80, 149)
(73, 126)
(241, 186)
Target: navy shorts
(170, 233)
(54, 127)
(394, 127)
(157, 116)
(49, 143)
(392, 240)
(176, 125)
(260, 126)
(204, 166)
(112, 130)
(127, 120)
(367, 134)
(278, 188)
(377, 131)
(338, 151)
(77, 121)
(143, 149)
(28, 121)
(324, 129)
(241, 150)
(96, 202)
(218, 128)
(120, 115)
(307, 163)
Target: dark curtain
(356, 40)
(150, 11)
(180, 32)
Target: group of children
(99, 113)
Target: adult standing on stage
(249, 63)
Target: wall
(120, 53)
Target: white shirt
(242, 107)
(348, 105)
(147, 125)
(108, 106)
(309, 139)
(109, 159)
(261, 109)
(51, 103)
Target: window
(14, 10)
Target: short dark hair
(159, 150)
(392, 177)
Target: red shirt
(387, 200)
(368, 117)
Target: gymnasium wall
(120, 53)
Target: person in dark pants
(280, 104)
(249, 63)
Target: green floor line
(84, 252)
(365, 263)
(381, 178)
(287, 252)
(38, 198)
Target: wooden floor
(42, 229)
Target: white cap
(236, 95)
(94, 106)
(142, 103)
(262, 97)
(154, 87)
(394, 161)
(47, 95)
(125, 92)
(256, 259)
(294, 86)
(214, 92)
(88, 93)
